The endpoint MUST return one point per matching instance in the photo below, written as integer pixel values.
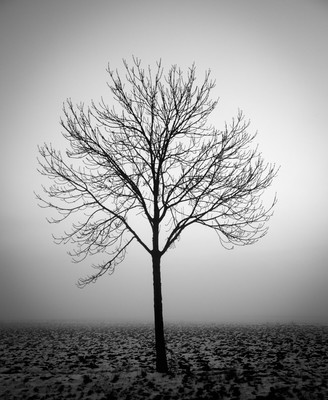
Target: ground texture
(74, 361)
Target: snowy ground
(67, 361)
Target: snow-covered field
(74, 361)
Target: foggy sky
(269, 59)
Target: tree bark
(161, 361)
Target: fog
(268, 58)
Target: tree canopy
(157, 157)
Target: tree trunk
(161, 361)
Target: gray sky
(269, 58)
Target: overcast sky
(269, 58)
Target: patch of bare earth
(67, 361)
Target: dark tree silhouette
(154, 157)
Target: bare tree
(154, 157)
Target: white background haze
(269, 58)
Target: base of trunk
(161, 361)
